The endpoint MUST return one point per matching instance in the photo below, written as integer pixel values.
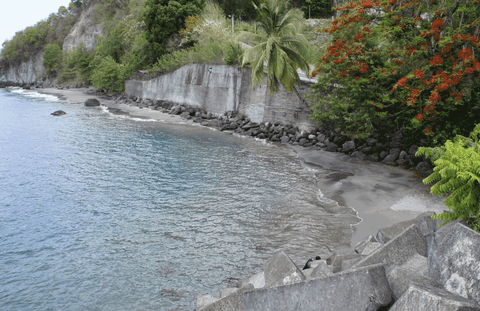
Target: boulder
(232, 302)
(204, 300)
(398, 250)
(285, 139)
(58, 113)
(227, 291)
(370, 247)
(453, 260)
(429, 298)
(373, 157)
(331, 147)
(322, 270)
(361, 289)
(386, 234)
(342, 262)
(392, 157)
(358, 154)
(349, 145)
(424, 169)
(280, 270)
(426, 225)
(92, 102)
(414, 271)
(257, 280)
(361, 245)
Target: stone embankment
(387, 148)
(412, 265)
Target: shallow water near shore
(106, 212)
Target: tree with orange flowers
(410, 64)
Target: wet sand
(380, 194)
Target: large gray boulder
(257, 280)
(453, 260)
(427, 298)
(92, 102)
(398, 250)
(386, 234)
(362, 289)
(280, 270)
(322, 270)
(232, 302)
(414, 271)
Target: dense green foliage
(164, 18)
(409, 64)
(32, 40)
(52, 58)
(278, 43)
(457, 170)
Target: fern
(457, 170)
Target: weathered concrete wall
(25, 72)
(220, 88)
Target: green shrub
(52, 55)
(457, 170)
(109, 75)
(232, 53)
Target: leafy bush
(52, 55)
(164, 18)
(402, 64)
(232, 53)
(109, 75)
(457, 170)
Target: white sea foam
(35, 95)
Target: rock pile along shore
(412, 265)
(386, 148)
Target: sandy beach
(381, 195)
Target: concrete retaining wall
(221, 88)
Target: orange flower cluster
(418, 74)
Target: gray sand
(380, 194)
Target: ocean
(102, 211)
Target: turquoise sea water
(105, 212)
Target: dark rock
(392, 157)
(302, 141)
(92, 102)
(358, 154)
(367, 150)
(371, 141)
(58, 113)
(413, 149)
(383, 154)
(424, 169)
(361, 289)
(307, 145)
(402, 155)
(331, 147)
(348, 145)
(373, 157)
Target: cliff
(24, 72)
(83, 32)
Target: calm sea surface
(106, 212)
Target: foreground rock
(58, 113)
(415, 266)
(92, 102)
(361, 289)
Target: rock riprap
(412, 265)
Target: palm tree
(278, 44)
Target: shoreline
(380, 195)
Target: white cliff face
(25, 72)
(84, 31)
